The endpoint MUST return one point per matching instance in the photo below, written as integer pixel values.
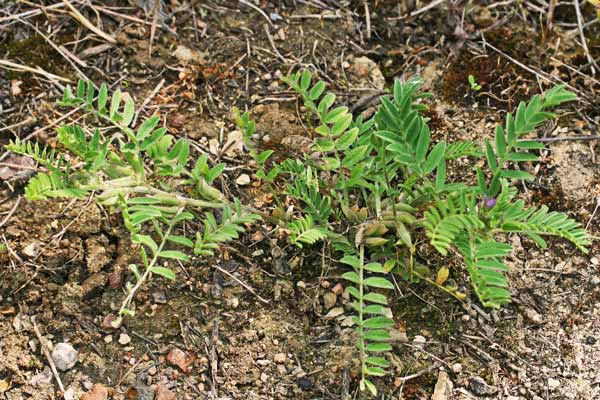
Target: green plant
(379, 189)
(474, 85)
(144, 172)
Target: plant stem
(361, 339)
(148, 268)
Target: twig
(594, 213)
(567, 139)
(85, 22)
(148, 99)
(583, 40)
(248, 288)
(272, 42)
(261, 12)
(368, 19)
(38, 70)
(417, 374)
(153, 26)
(48, 356)
(428, 7)
(11, 212)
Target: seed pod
(375, 241)
(208, 192)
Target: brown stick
(48, 356)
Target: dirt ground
(208, 337)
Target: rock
(533, 316)
(21, 322)
(243, 180)
(419, 340)
(43, 378)
(279, 358)
(124, 339)
(364, 67)
(456, 368)
(180, 359)
(478, 386)
(338, 289)
(98, 392)
(443, 387)
(553, 384)
(64, 356)
(398, 335)
(305, 383)
(139, 391)
(335, 312)
(159, 297)
(329, 300)
(107, 322)
(31, 250)
(162, 393)
(186, 55)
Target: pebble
(279, 358)
(456, 368)
(479, 387)
(329, 300)
(64, 356)
(419, 339)
(139, 391)
(163, 393)
(443, 387)
(553, 384)
(124, 339)
(180, 359)
(338, 289)
(159, 297)
(31, 250)
(243, 180)
(305, 384)
(264, 377)
(335, 312)
(533, 316)
(107, 322)
(108, 339)
(98, 392)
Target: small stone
(419, 339)
(338, 289)
(64, 356)
(305, 383)
(178, 121)
(108, 339)
(325, 284)
(107, 322)
(180, 359)
(162, 393)
(457, 368)
(31, 250)
(281, 369)
(159, 297)
(553, 384)
(335, 312)
(98, 392)
(139, 391)
(124, 339)
(264, 377)
(533, 316)
(398, 335)
(479, 387)
(279, 358)
(329, 300)
(152, 371)
(243, 180)
(43, 378)
(443, 387)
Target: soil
(64, 262)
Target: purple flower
(489, 201)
